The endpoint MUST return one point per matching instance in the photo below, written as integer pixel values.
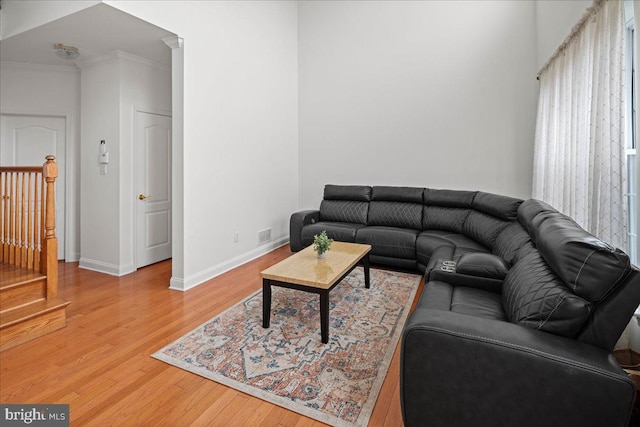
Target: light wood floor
(100, 363)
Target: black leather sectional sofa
(519, 314)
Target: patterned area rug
(336, 383)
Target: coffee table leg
(324, 316)
(266, 303)
(365, 261)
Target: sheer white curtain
(579, 155)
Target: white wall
(438, 94)
(100, 204)
(113, 89)
(50, 91)
(433, 93)
(240, 125)
(554, 21)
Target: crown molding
(174, 42)
(43, 67)
(119, 55)
(133, 58)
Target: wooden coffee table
(304, 271)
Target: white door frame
(70, 175)
(133, 192)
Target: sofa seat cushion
(534, 296)
(462, 300)
(431, 240)
(394, 262)
(389, 241)
(340, 231)
(455, 239)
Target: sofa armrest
(442, 253)
(482, 265)
(469, 371)
(478, 270)
(297, 221)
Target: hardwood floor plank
(139, 379)
(101, 362)
(232, 415)
(195, 402)
(259, 414)
(208, 417)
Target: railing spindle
(5, 212)
(30, 238)
(12, 227)
(23, 223)
(23, 216)
(38, 225)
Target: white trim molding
(118, 54)
(174, 42)
(106, 268)
(194, 280)
(42, 67)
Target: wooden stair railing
(29, 306)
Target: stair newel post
(50, 241)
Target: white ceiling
(96, 31)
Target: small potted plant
(322, 243)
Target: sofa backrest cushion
(524, 250)
(449, 198)
(483, 228)
(528, 210)
(397, 194)
(395, 214)
(501, 207)
(590, 267)
(510, 240)
(344, 211)
(446, 209)
(442, 218)
(345, 203)
(396, 207)
(358, 193)
(534, 296)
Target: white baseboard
(106, 268)
(72, 257)
(194, 280)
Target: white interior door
(26, 141)
(153, 186)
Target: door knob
(142, 197)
